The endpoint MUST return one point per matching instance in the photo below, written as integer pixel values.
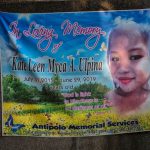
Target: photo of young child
(128, 60)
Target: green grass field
(55, 115)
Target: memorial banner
(75, 74)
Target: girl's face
(129, 63)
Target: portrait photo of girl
(128, 58)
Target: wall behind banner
(138, 141)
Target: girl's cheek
(113, 71)
(144, 65)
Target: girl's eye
(115, 59)
(135, 57)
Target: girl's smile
(126, 80)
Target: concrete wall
(132, 141)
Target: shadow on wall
(70, 5)
(110, 4)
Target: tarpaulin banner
(76, 73)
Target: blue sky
(73, 47)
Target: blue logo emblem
(14, 127)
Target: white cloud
(9, 50)
(13, 39)
(25, 16)
(2, 43)
(119, 21)
(4, 47)
(43, 59)
(7, 53)
(122, 21)
(13, 42)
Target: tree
(15, 90)
(56, 81)
(51, 92)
